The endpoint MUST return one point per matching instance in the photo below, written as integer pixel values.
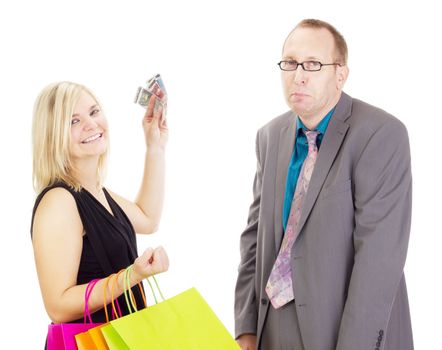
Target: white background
(218, 61)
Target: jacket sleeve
(382, 201)
(246, 309)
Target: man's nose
(299, 76)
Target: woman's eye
(95, 111)
(74, 121)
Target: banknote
(154, 86)
(157, 79)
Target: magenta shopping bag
(62, 336)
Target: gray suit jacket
(348, 259)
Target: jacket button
(264, 301)
(380, 338)
(381, 332)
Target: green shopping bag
(93, 338)
(183, 322)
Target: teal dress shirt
(299, 154)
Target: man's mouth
(299, 94)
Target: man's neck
(312, 121)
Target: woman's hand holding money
(155, 126)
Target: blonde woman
(81, 230)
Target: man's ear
(342, 75)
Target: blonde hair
(51, 134)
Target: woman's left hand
(155, 125)
(151, 262)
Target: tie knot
(311, 137)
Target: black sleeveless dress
(109, 243)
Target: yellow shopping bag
(183, 322)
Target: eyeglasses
(309, 66)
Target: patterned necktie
(279, 286)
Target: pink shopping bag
(62, 336)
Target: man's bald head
(340, 44)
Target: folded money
(154, 86)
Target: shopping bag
(93, 338)
(183, 322)
(62, 336)
(85, 340)
(112, 339)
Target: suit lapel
(331, 143)
(286, 143)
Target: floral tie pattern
(279, 287)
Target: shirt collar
(321, 127)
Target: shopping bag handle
(127, 287)
(128, 296)
(115, 313)
(87, 294)
(115, 300)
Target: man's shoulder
(366, 115)
(366, 120)
(277, 123)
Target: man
(323, 252)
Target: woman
(80, 230)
